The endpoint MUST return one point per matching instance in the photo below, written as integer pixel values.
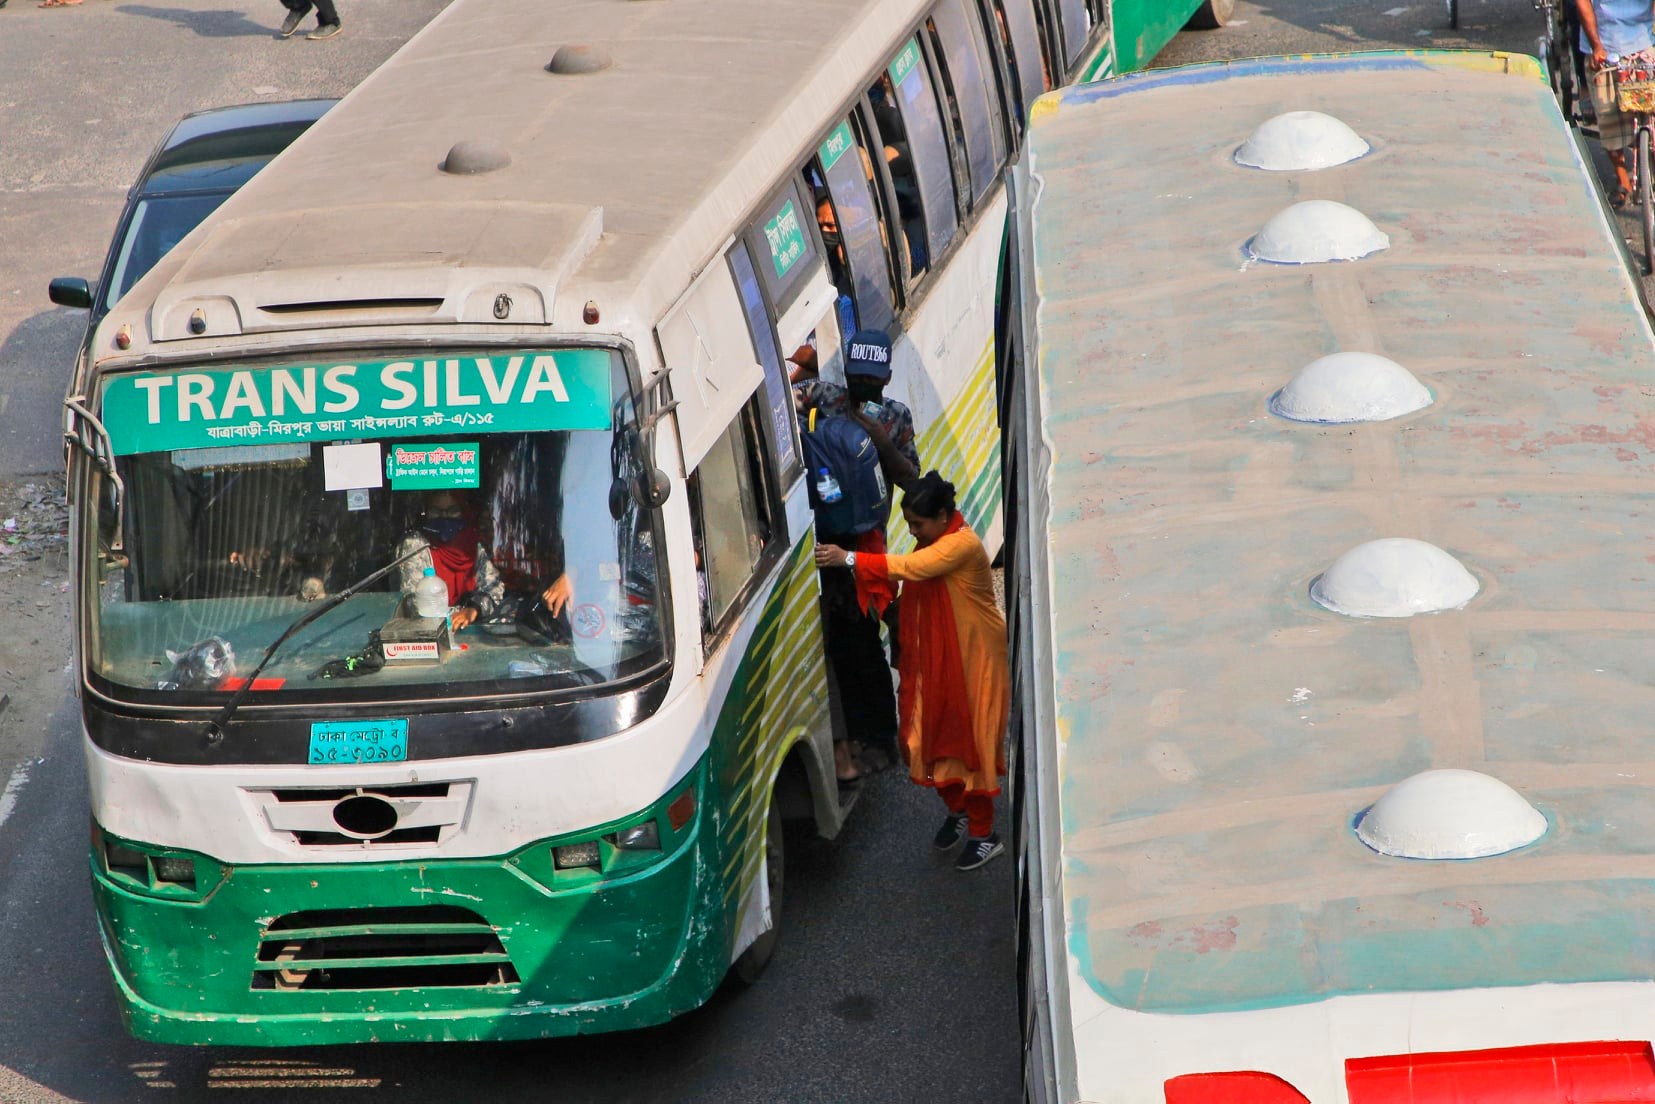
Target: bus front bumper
(458, 950)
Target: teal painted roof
(1219, 732)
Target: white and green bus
(1329, 577)
(537, 276)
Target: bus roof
(1219, 733)
(622, 183)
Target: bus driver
(453, 548)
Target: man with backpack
(858, 446)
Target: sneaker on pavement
(291, 23)
(951, 832)
(977, 852)
(326, 30)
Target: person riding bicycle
(1613, 32)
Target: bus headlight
(572, 855)
(175, 870)
(639, 837)
(139, 868)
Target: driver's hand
(558, 596)
(462, 617)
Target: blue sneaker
(978, 852)
(951, 832)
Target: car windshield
(157, 225)
(508, 498)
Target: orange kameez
(955, 694)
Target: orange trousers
(978, 808)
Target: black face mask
(864, 390)
(443, 529)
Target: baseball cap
(869, 355)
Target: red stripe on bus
(1557, 1073)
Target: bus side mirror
(653, 489)
(70, 291)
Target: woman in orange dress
(956, 687)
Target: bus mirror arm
(652, 488)
(215, 727)
(102, 453)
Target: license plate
(358, 742)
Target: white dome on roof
(1450, 814)
(1394, 577)
(1350, 387)
(1299, 141)
(1317, 230)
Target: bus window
(916, 151)
(1077, 26)
(1051, 49)
(1021, 37)
(780, 235)
(853, 231)
(778, 395)
(732, 519)
(966, 77)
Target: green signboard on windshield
(499, 393)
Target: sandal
(1618, 197)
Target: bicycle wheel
(1646, 207)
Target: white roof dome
(1301, 140)
(1394, 577)
(1317, 230)
(1450, 814)
(1350, 387)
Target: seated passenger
(450, 542)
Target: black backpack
(835, 445)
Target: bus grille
(382, 948)
(416, 814)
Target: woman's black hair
(929, 496)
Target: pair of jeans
(859, 668)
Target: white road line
(8, 798)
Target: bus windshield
(530, 539)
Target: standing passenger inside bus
(851, 633)
(956, 687)
(1612, 32)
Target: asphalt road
(895, 977)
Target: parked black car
(200, 163)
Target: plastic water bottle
(431, 595)
(827, 487)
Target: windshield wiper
(215, 727)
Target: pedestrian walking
(1613, 31)
(955, 693)
(327, 18)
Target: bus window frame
(716, 632)
(782, 291)
(1065, 11)
(994, 131)
(1051, 44)
(785, 474)
(1035, 81)
(878, 191)
(923, 176)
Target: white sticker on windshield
(352, 467)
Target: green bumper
(466, 950)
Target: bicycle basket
(1635, 88)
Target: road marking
(8, 799)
